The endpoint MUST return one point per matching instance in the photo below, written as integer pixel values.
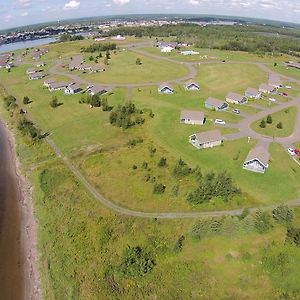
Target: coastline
(28, 225)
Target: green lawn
(287, 117)
(122, 68)
(290, 72)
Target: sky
(23, 12)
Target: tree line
(99, 47)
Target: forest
(250, 38)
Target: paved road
(243, 126)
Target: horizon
(19, 13)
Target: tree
(100, 55)
(54, 102)
(162, 162)
(138, 61)
(275, 64)
(262, 124)
(91, 58)
(179, 244)
(106, 61)
(26, 100)
(10, 103)
(269, 119)
(107, 54)
(283, 214)
(181, 169)
(104, 103)
(279, 125)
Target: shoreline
(28, 225)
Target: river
(26, 44)
(11, 248)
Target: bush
(179, 244)
(159, 188)
(283, 214)
(293, 236)
(181, 169)
(26, 100)
(175, 190)
(138, 61)
(269, 119)
(162, 162)
(279, 125)
(136, 262)
(54, 102)
(262, 221)
(10, 103)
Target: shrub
(279, 125)
(136, 262)
(181, 169)
(175, 190)
(269, 119)
(283, 214)
(159, 188)
(179, 244)
(54, 102)
(262, 221)
(26, 100)
(138, 61)
(10, 103)
(162, 162)
(293, 236)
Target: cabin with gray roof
(275, 81)
(207, 139)
(96, 90)
(253, 93)
(257, 160)
(165, 89)
(292, 64)
(57, 86)
(235, 98)
(192, 117)
(266, 88)
(215, 104)
(73, 89)
(191, 86)
(35, 76)
(49, 81)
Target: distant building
(215, 104)
(207, 139)
(35, 76)
(191, 86)
(165, 89)
(257, 160)
(189, 52)
(118, 38)
(292, 64)
(96, 90)
(192, 117)
(48, 82)
(235, 98)
(253, 93)
(30, 71)
(56, 86)
(167, 49)
(40, 64)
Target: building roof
(215, 102)
(76, 61)
(192, 115)
(266, 87)
(259, 153)
(97, 89)
(190, 82)
(235, 97)
(252, 91)
(98, 67)
(51, 80)
(36, 75)
(56, 85)
(208, 136)
(74, 87)
(165, 85)
(294, 64)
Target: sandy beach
(18, 249)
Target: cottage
(165, 89)
(192, 117)
(56, 86)
(167, 49)
(40, 64)
(292, 64)
(215, 104)
(96, 90)
(266, 88)
(73, 89)
(30, 71)
(48, 82)
(275, 81)
(35, 76)
(191, 86)
(235, 98)
(208, 139)
(257, 160)
(253, 93)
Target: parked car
(291, 151)
(297, 152)
(285, 94)
(236, 111)
(288, 87)
(220, 122)
(272, 99)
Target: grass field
(122, 68)
(290, 72)
(287, 117)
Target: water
(26, 44)
(11, 253)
